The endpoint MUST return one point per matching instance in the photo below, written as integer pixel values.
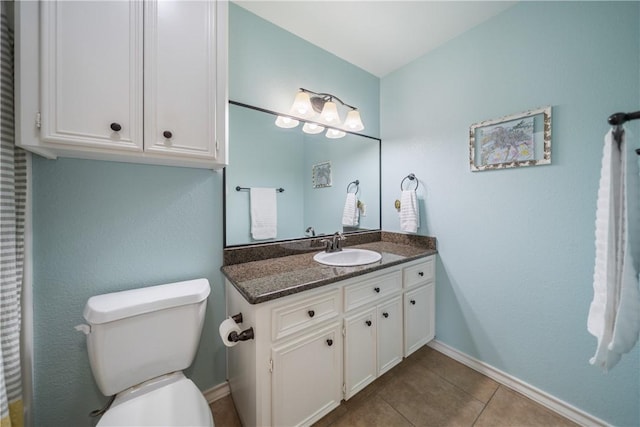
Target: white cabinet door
(390, 335)
(419, 312)
(91, 59)
(180, 78)
(360, 368)
(307, 377)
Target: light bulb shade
(334, 133)
(330, 114)
(353, 122)
(302, 106)
(312, 128)
(286, 122)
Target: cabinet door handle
(167, 134)
(413, 302)
(115, 127)
(385, 314)
(311, 313)
(420, 273)
(377, 289)
(368, 322)
(329, 342)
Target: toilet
(139, 341)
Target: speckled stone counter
(269, 279)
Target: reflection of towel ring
(410, 177)
(356, 183)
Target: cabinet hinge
(38, 120)
(270, 365)
(344, 331)
(344, 389)
(217, 146)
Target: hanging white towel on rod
(264, 213)
(409, 211)
(614, 314)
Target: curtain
(13, 197)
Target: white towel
(409, 211)
(350, 213)
(614, 314)
(264, 213)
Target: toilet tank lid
(117, 305)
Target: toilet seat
(172, 400)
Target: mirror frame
(276, 241)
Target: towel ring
(410, 177)
(356, 183)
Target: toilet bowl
(138, 342)
(172, 400)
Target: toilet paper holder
(245, 335)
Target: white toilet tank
(140, 334)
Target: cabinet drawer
(423, 272)
(371, 290)
(294, 317)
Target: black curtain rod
(618, 119)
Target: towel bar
(238, 188)
(410, 177)
(357, 184)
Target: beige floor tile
(471, 381)
(224, 413)
(508, 408)
(426, 399)
(372, 413)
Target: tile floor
(426, 389)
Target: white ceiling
(377, 36)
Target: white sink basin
(347, 257)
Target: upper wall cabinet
(130, 81)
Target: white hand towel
(264, 213)
(350, 215)
(409, 211)
(614, 314)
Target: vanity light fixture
(323, 108)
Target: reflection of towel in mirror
(264, 213)
(350, 213)
(614, 314)
(409, 211)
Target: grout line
(485, 406)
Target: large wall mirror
(314, 172)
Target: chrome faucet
(334, 244)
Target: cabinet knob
(311, 313)
(115, 127)
(377, 289)
(329, 342)
(385, 314)
(368, 322)
(167, 134)
(413, 302)
(420, 273)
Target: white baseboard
(545, 399)
(217, 392)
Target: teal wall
(516, 246)
(268, 65)
(106, 226)
(101, 227)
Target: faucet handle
(328, 243)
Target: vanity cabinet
(373, 336)
(136, 81)
(307, 376)
(419, 304)
(314, 348)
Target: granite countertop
(269, 279)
